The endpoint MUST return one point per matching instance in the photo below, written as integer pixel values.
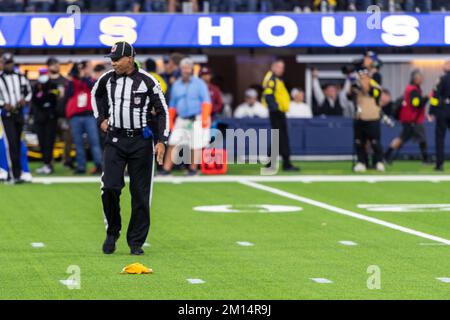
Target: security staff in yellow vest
(276, 99)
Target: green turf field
(286, 249)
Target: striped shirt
(126, 101)
(14, 87)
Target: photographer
(45, 115)
(412, 117)
(366, 94)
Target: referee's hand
(160, 149)
(104, 125)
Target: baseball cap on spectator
(52, 61)
(204, 70)
(121, 49)
(251, 93)
(7, 57)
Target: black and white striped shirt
(127, 101)
(13, 88)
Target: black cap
(52, 61)
(121, 49)
(7, 57)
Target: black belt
(129, 133)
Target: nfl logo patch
(137, 100)
(114, 48)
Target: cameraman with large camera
(365, 93)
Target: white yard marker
(348, 243)
(344, 212)
(446, 280)
(195, 281)
(146, 244)
(69, 282)
(37, 244)
(245, 243)
(321, 280)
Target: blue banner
(237, 30)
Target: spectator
(214, 91)
(45, 115)
(191, 102)
(150, 6)
(101, 6)
(441, 5)
(423, 5)
(328, 102)
(298, 108)
(12, 5)
(42, 5)
(123, 5)
(171, 70)
(251, 108)
(175, 5)
(362, 5)
(64, 4)
(81, 118)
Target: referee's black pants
(278, 121)
(13, 124)
(442, 125)
(137, 153)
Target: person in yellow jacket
(150, 66)
(276, 98)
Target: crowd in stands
(222, 5)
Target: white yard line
(344, 212)
(236, 178)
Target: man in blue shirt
(190, 103)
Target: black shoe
(109, 246)
(19, 181)
(163, 172)
(79, 171)
(69, 165)
(191, 173)
(97, 170)
(291, 168)
(136, 251)
(439, 168)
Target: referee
(122, 100)
(15, 93)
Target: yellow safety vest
(275, 86)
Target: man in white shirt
(298, 108)
(251, 108)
